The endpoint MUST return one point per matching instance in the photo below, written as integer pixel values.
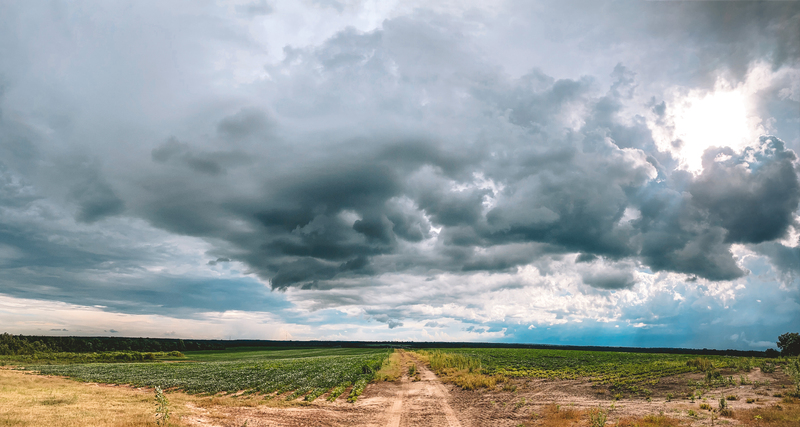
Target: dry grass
(391, 368)
(31, 400)
(34, 400)
(560, 416)
(785, 414)
(649, 421)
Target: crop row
(311, 376)
(614, 369)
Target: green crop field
(614, 369)
(303, 372)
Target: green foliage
(441, 360)
(702, 364)
(792, 369)
(633, 372)
(19, 344)
(11, 345)
(162, 408)
(789, 343)
(358, 388)
(712, 376)
(296, 375)
(337, 391)
(598, 418)
(104, 357)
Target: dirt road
(421, 400)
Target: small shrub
(412, 370)
(713, 375)
(700, 363)
(705, 406)
(750, 400)
(727, 412)
(732, 397)
(743, 364)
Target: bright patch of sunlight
(715, 120)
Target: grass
(28, 400)
(553, 415)
(619, 372)
(32, 400)
(785, 414)
(649, 421)
(461, 370)
(391, 370)
(294, 372)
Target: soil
(423, 400)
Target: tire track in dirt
(421, 402)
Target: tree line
(11, 345)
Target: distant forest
(22, 345)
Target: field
(378, 387)
(619, 371)
(306, 373)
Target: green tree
(789, 343)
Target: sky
(611, 173)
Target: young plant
(162, 408)
(598, 418)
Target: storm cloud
(412, 152)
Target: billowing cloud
(492, 176)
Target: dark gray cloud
(434, 148)
(348, 206)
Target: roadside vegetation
(620, 372)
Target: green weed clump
(162, 408)
(598, 418)
(792, 369)
(700, 363)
